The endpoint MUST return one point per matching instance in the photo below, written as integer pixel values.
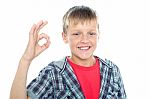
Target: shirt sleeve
(120, 93)
(117, 82)
(41, 86)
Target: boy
(79, 76)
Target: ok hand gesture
(33, 48)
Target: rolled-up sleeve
(41, 86)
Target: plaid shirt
(58, 81)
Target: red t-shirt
(89, 79)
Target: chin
(85, 57)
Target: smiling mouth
(84, 47)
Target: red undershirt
(89, 78)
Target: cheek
(73, 44)
(94, 41)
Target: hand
(33, 48)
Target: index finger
(40, 25)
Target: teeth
(83, 48)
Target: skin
(82, 39)
(18, 90)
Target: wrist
(25, 60)
(24, 65)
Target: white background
(125, 37)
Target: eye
(92, 33)
(77, 33)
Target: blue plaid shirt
(58, 81)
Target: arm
(121, 92)
(18, 89)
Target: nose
(84, 38)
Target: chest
(69, 87)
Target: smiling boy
(79, 76)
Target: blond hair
(78, 14)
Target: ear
(65, 37)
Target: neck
(83, 62)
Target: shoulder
(108, 63)
(111, 78)
(107, 66)
(57, 65)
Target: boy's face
(82, 39)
